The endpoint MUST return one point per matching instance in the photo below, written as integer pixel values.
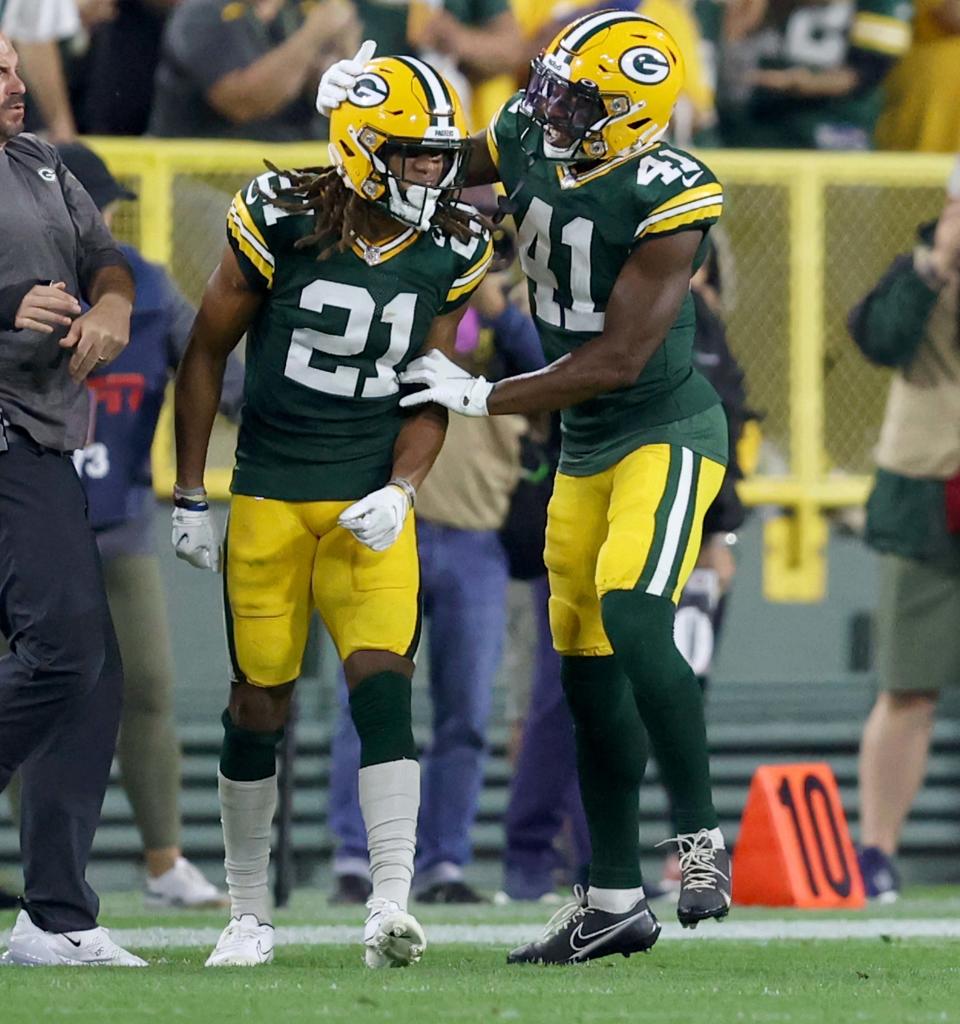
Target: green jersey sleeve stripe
(679, 211)
(878, 32)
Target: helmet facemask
(399, 187)
(570, 115)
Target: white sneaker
(183, 886)
(391, 936)
(245, 942)
(30, 946)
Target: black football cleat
(577, 933)
(450, 892)
(351, 889)
(705, 879)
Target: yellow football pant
(635, 526)
(283, 559)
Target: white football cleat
(30, 946)
(391, 936)
(245, 942)
(183, 886)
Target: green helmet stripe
(438, 95)
(585, 29)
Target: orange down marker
(794, 848)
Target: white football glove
(446, 384)
(377, 520)
(340, 78)
(196, 539)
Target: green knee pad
(247, 756)
(380, 708)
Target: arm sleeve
(474, 270)
(10, 298)
(889, 324)
(97, 248)
(40, 21)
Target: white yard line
(508, 935)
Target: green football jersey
(321, 396)
(576, 232)
(817, 36)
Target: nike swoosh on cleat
(73, 942)
(580, 943)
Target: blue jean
(464, 589)
(544, 790)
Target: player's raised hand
(340, 78)
(377, 520)
(446, 384)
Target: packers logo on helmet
(605, 86)
(400, 116)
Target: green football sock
(380, 708)
(670, 702)
(611, 758)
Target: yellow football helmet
(606, 85)
(400, 109)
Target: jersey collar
(373, 255)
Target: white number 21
(361, 311)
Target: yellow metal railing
(810, 234)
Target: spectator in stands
(909, 322)
(474, 43)
(920, 111)
(115, 470)
(481, 35)
(460, 508)
(120, 66)
(807, 75)
(248, 68)
(37, 27)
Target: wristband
(408, 489)
(192, 498)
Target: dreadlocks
(340, 215)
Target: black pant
(60, 687)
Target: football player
(338, 276)
(612, 225)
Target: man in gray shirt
(248, 70)
(60, 684)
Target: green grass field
(907, 970)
